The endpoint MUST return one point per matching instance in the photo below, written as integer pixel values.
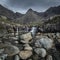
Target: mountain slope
(29, 17)
(52, 11)
(8, 13)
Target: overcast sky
(23, 5)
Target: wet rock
(27, 47)
(26, 38)
(25, 54)
(44, 42)
(40, 51)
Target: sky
(23, 5)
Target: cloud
(23, 5)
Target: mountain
(52, 11)
(29, 17)
(8, 13)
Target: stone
(16, 42)
(58, 40)
(17, 57)
(27, 47)
(44, 42)
(3, 56)
(14, 38)
(49, 57)
(1, 51)
(40, 51)
(58, 35)
(10, 49)
(25, 54)
(25, 38)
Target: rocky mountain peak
(30, 10)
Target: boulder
(44, 42)
(27, 47)
(58, 35)
(17, 57)
(40, 51)
(25, 54)
(10, 49)
(3, 56)
(49, 57)
(25, 38)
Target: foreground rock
(27, 47)
(49, 57)
(44, 42)
(9, 49)
(25, 38)
(41, 52)
(25, 54)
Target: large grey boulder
(10, 49)
(40, 51)
(45, 42)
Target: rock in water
(44, 42)
(25, 54)
(26, 37)
(40, 51)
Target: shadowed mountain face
(52, 11)
(8, 13)
(31, 15)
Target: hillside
(8, 13)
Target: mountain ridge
(30, 15)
